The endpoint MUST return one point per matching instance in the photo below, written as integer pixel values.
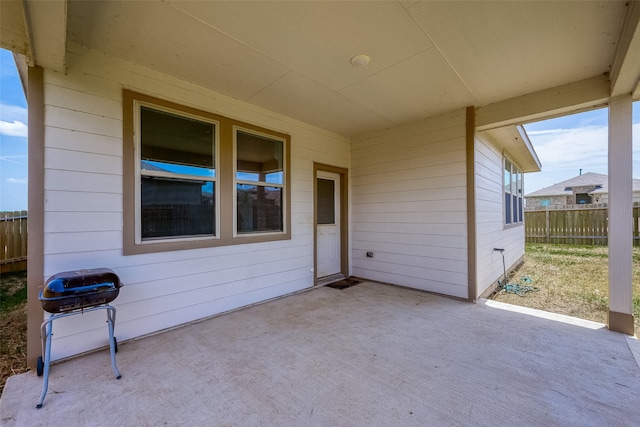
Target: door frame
(344, 218)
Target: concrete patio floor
(369, 355)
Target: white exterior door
(328, 217)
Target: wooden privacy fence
(13, 241)
(576, 226)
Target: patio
(371, 354)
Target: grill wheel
(39, 366)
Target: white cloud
(13, 119)
(562, 149)
(13, 113)
(16, 180)
(563, 152)
(13, 128)
(546, 131)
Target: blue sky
(567, 144)
(564, 145)
(13, 137)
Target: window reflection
(172, 208)
(177, 183)
(259, 159)
(259, 208)
(259, 180)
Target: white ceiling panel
(155, 35)
(318, 39)
(502, 48)
(420, 86)
(293, 56)
(298, 96)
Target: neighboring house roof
(586, 179)
(151, 167)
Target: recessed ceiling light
(360, 60)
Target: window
(259, 183)
(192, 179)
(326, 201)
(583, 199)
(177, 176)
(513, 194)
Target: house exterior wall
(409, 204)
(555, 201)
(84, 207)
(534, 202)
(604, 197)
(491, 231)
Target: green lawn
(571, 280)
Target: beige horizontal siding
(83, 209)
(490, 227)
(409, 205)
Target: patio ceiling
(294, 57)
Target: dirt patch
(13, 325)
(571, 280)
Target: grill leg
(111, 320)
(46, 331)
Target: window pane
(507, 208)
(515, 207)
(326, 201)
(520, 217)
(275, 177)
(171, 143)
(259, 208)
(259, 159)
(507, 176)
(172, 208)
(583, 198)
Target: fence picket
(574, 225)
(13, 241)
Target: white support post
(620, 215)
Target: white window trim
(520, 197)
(138, 174)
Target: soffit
(293, 57)
(36, 30)
(13, 31)
(514, 142)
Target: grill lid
(71, 290)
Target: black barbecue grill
(73, 290)
(77, 292)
